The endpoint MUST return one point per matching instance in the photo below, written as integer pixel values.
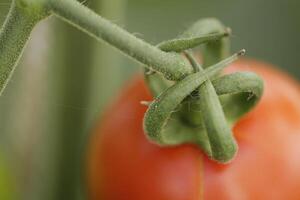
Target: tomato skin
(123, 164)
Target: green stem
(220, 146)
(221, 143)
(160, 110)
(223, 146)
(13, 38)
(188, 42)
(172, 65)
(163, 124)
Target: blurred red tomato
(124, 165)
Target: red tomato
(124, 165)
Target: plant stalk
(172, 65)
(13, 37)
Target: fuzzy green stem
(190, 41)
(222, 145)
(172, 65)
(160, 110)
(163, 124)
(13, 38)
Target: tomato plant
(169, 163)
(123, 164)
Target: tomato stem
(198, 111)
(163, 122)
(161, 109)
(172, 65)
(222, 145)
(13, 37)
(208, 128)
(190, 41)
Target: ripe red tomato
(124, 165)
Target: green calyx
(202, 108)
(192, 105)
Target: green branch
(163, 123)
(25, 14)
(13, 37)
(172, 65)
(212, 133)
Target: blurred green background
(65, 79)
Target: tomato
(124, 165)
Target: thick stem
(160, 110)
(13, 38)
(241, 90)
(222, 143)
(172, 65)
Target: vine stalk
(13, 38)
(172, 65)
(165, 58)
